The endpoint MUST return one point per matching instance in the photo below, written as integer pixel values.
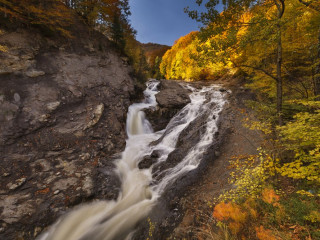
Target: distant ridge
(154, 50)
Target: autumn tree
(50, 15)
(315, 5)
(229, 20)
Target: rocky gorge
(63, 114)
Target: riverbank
(177, 214)
(198, 200)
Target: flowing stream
(116, 220)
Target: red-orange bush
(231, 213)
(265, 234)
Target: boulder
(172, 95)
(171, 99)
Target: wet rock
(149, 160)
(171, 99)
(146, 162)
(156, 154)
(172, 95)
(223, 90)
(188, 138)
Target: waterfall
(108, 220)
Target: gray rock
(96, 116)
(172, 95)
(147, 162)
(34, 73)
(16, 97)
(87, 186)
(15, 207)
(53, 105)
(217, 153)
(85, 156)
(18, 183)
(171, 98)
(65, 184)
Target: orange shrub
(265, 234)
(269, 196)
(231, 213)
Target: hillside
(154, 53)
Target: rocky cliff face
(62, 117)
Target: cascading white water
(110, 220)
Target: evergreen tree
(117, 34)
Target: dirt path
(197, 202)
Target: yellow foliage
(302, 136)
(313, 217)
(250, 175)
(3, 48)
(265, 127)
(305, 193)
(187, 60)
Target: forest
(275, 46)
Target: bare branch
(258, 69)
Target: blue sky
(162, 21)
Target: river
(116, 220)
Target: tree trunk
(281, 7)
(279, 78)
(316, 81)
(317, 73)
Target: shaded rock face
(171, 99)
(62, 117)
(148, 161)
(188, 138)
